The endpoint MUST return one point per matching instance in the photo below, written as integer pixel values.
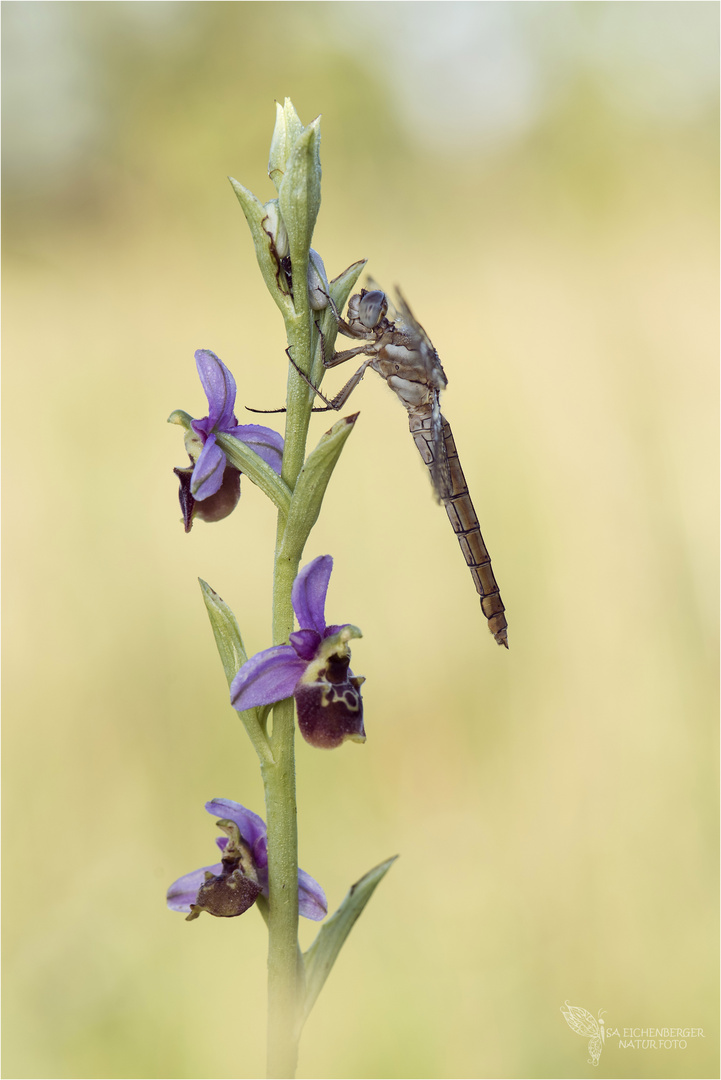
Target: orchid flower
(209, 479)
(232, 886)
(313, 668)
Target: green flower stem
(285, 972)
(284, 987)
(298, 402)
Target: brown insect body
(401, 352)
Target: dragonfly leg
(328, 404)
(337, 357)
(340, 358)
(343, 326)
(344, 393)
(267, 411)
(346, 354)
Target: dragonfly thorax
(399, 353)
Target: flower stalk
(308, 667)
(285, 974)
(284, 978)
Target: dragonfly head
(372, 307)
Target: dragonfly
(398, 348)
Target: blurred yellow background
(541, 180)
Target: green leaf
(240, 454)
(226, 632)
(323, 953)
(287, 129)
(310, 488)
(233, 655)
(342, 286)
(299, 200)
(256, 215)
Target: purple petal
(183, 892)
(260, 855)
(251, 827)
(219, 386)
(305, 643)
(309, 592)
(312, 903)
(267, 677)
(267, 443)
(202, 428)
(208, 472)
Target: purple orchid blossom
(210, 480)
(229, 888)
(313, 668)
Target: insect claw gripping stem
(328, 404)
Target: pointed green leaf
(256, 215)
(287, 129)
(233, 655)
(226, 632)
(278, 147)
(342, 286)
(323, 953)
(299, 199)
(240, 454)
(312, 482)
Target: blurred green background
(541, 180)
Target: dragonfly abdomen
(462, 516)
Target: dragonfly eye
(372, 308)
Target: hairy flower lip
(235, 889)
(183, 893)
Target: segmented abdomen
(465, 523)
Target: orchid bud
(317, 282)
(275, 230)
(275, 227)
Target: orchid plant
(306, 669)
